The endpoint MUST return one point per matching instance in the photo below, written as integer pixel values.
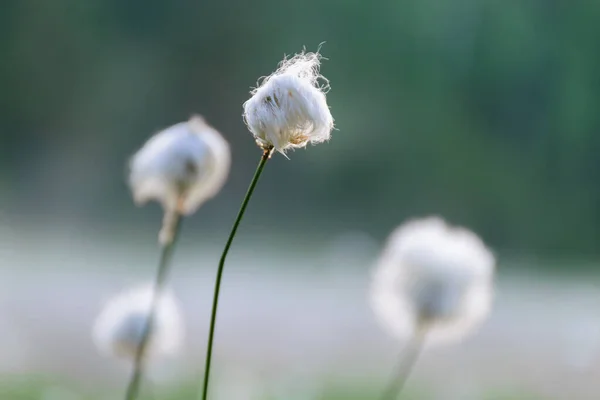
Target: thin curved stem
(405, 367)
(263, 160)
(167, 247)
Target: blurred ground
(298, 317)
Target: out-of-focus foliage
(35, 390)
(485, 111)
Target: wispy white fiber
(289, 108)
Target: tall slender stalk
(405, 367)
(172, 224)
(263, 160)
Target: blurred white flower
(120, 326)
(433, 277)
(289, 108)
(181, 167)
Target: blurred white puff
(119, 327)
(433, 276)
(289, 108)
(181, 167)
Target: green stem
(405, 367)
(167, 248)
(266, 155)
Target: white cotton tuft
(289, 108)
(435, 277)
(119, 328)
(181, 167)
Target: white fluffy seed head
(119, 327)
(289, 108)
(181, 167)
(433, 276)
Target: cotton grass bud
(433, 278)
(289, 108)
(120, 326)
(181, 167)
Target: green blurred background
(484, 111)
(481, 111)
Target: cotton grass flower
(119, 328)
(289, 108)
(181, 167)
(435, 277)
(433, 282)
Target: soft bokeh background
(482, 111)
